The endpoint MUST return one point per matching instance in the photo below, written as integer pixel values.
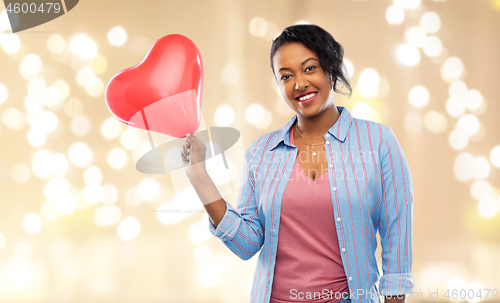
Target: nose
(301, 83)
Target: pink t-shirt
(308, 261)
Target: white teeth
(303, 98)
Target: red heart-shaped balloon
(163, 92)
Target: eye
(311, 68)
(283, 78)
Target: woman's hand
(193, 154)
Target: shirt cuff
(396, 284)
(228, 226)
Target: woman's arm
(239, 229)
(396, 215)
(210, 197)
(193, 153)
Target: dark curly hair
(319, 41)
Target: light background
(62, 240)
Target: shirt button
(343, 249)
(328, 135)
(327, 142)
(331, 165)
(338, 219)
(334, 188)
(350, 278)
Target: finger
(184, 157)
(185, 152)
(188, 138)
(185, 149)
(192, 141)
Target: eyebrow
(286, 68)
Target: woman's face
(303, 83)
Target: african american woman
(324, 185)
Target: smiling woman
(324, 185)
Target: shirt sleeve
(396, 218)
(240, 229)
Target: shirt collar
(338, 130)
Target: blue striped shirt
(371, 191)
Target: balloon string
(147, 128)
(164, 158)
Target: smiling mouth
(306, 97)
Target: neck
(320, 124)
